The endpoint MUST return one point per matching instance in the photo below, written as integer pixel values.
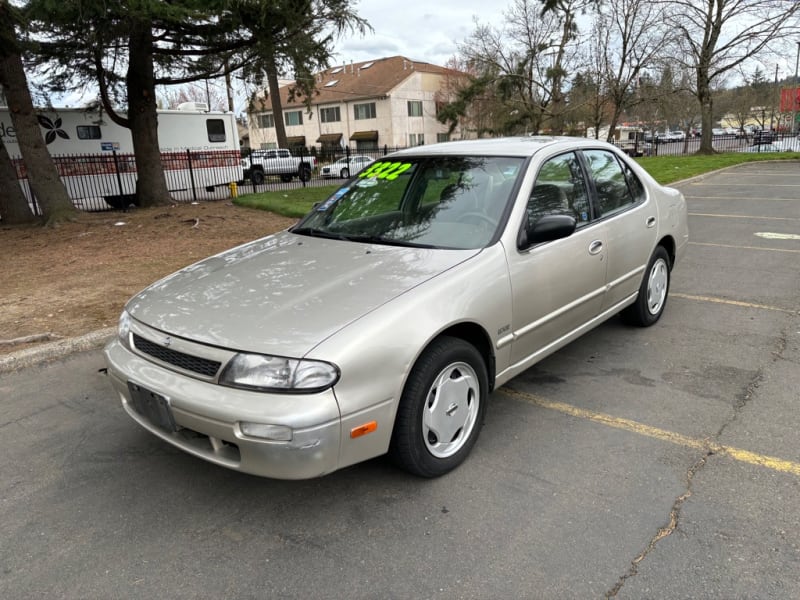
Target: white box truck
(94, 156)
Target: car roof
(507, 146)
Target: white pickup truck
(277, 162)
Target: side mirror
(548, 228)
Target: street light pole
(794, 91)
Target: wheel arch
(476, 336)
(668, 243)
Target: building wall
(392, 122)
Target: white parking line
(745, 247)
(768, 235)
(754, 217)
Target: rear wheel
(441, 410)
(345, 173)
(652, 299)
(304, 173)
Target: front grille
(195, 364)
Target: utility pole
(772, 112)
(794, 91)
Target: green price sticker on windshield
(385, 170)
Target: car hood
(286, 293)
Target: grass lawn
(296, 202)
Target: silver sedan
(381, 322)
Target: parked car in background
(281, 162)
(764, 136)
(346, 166)
(767, 147)
(718, 132)
(382, 321)
(678, 135)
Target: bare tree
(718, 36)
(631, 36)
(525, 63)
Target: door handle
(596, 247)
(651, 222)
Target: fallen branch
(196, 222)
(36, 337)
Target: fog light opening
(275, 433)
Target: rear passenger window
(612, 180)
(560, 189)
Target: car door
(630, 219)
(557, 286)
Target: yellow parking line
(731, 302)
(744, 217)
(705, 445)
(745, 247)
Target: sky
(424, 30)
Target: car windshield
(432, 202)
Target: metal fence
(107, 181)
(98, 182)
(760, 141)
(326, 169)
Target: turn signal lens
(363, 429)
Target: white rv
(94, 156)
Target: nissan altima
(382, 321)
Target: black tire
(445, 397)
(345, 173)
(653, 292)
(304, 173)
(257, 176)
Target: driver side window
(560, 189)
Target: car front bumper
(207, 419)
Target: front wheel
(652, 298)
(441, 410)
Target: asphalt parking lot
(635, 463)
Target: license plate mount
(153, 407)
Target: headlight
(278, 374)
(124, 329)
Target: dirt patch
(75, 278)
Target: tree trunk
(275, 99)
(706, 112)
(151, 185)
(42, 174)
(14, 207)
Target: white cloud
(421, 30)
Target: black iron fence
(98, 182)
(326, 164)
(676, 144)
(107, 181)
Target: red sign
(790, 99)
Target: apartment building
(385, 102)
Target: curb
(38, 355)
